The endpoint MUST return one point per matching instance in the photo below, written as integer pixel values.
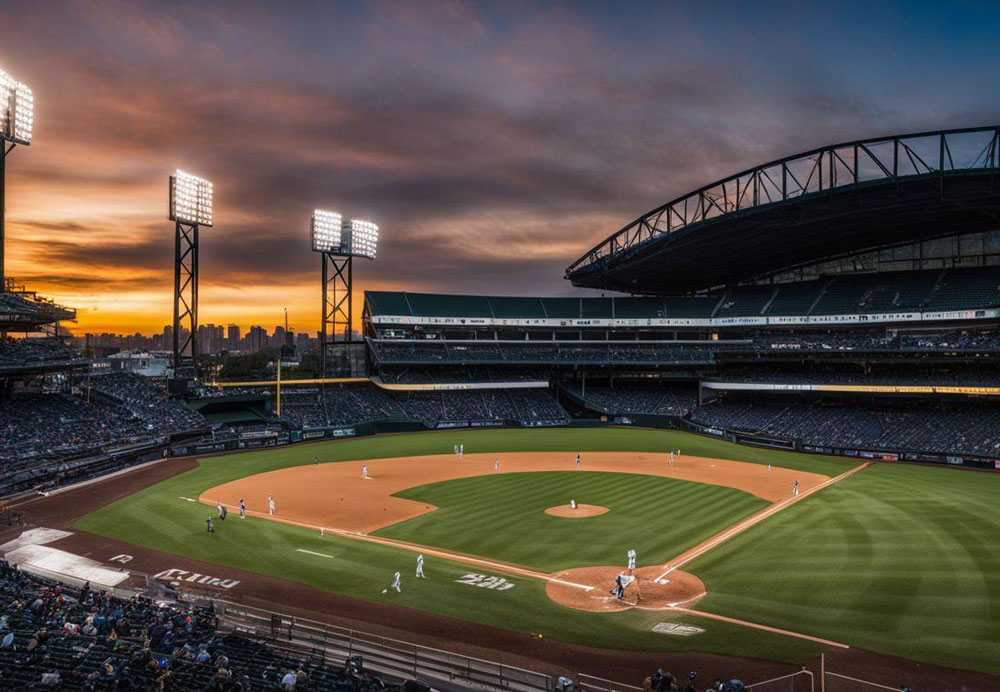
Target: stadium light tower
(190, 208)
(339, 241)
(17, 116)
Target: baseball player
(572, 504)
(670, 460)
(420, 567)
(456, 450)
(795, 487)
(461, 451)
(316, 461)
(394, 584)
(496, 465)
(243, 509)
(218, 507)
(631, 559)
(270, 505)
(578, 460)
(223, 513)
(364, 471)
(769, 467)
(208, 525)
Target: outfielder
(394, 584)
(420, 567)
(208, 524)
(631, 559)
(218, 506)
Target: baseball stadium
(758, 438)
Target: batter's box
(676, 629)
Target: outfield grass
(658, 517)
(899, 559)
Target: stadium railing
(381, 654)
(590, 683)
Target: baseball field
(896, 559)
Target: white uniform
(420, 567)
(631, 559)
(461, 451)
(795, 487)
(671, 460)
(364, 470)
(456, 450)
(395, 583)
(578, 461)
(270, 505)
(496, 465)
(572, 504)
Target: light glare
(17, 110)
(190, 199)
(325, 231)
(362, 238)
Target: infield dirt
(338, 495)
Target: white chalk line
(313, 552)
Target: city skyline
(493, 143)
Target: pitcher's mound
(675, 589)
(581, 511)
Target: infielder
(420, 567)
(461, 451)
(795, 487)
(631, 559)
(218, 507)
(243, 509)
(364, 470)
(456, 450)
(578, 460)
(496, 464)
(394, 584)
(270, 505)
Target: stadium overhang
(825, 203)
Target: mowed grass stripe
(502, 517)
(898, 559)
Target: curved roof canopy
(824, 203)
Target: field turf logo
(177, 575)
(484, 581)
(676, 629)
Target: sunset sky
(492, 142)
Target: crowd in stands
(957, 429)
(57, 637)
(622, 399)
(44, 436)
(342, 406)
(775, 375)
(147, 402)
(25, 354)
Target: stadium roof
(825, 203)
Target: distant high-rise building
(233, 337)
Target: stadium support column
(186, 298)
(337, 287)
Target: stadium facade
(845, 300)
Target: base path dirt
(338, 495)
(578, 512)
(647, 591)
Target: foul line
(766, 628)
(416, 548)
